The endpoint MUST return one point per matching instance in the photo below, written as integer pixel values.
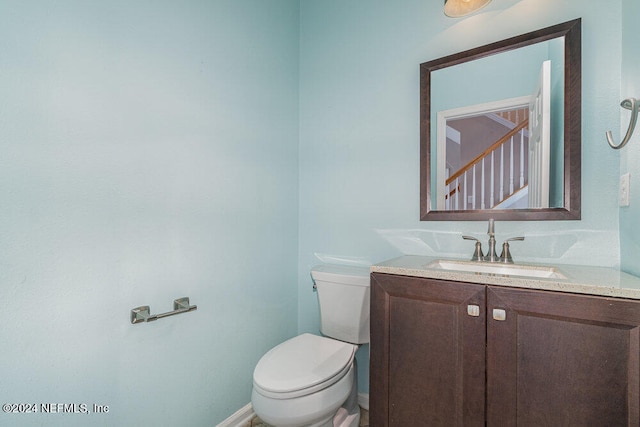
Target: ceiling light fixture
(460, 8)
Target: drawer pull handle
(473, 310)
(499, 314)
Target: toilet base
(349, 414)
(350, 421)
(344, 419)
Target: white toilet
(311, 380)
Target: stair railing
(465, 180)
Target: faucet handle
(477, 253)
(505, 256)
(514, 238)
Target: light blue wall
(148, 151)
(630, 154)
(359, 133)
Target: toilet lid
(302, 362)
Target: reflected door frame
(460, 113)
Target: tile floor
(257, 422)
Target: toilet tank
(343, 294)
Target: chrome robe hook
(633, 105)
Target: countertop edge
(613, 281)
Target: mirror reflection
(498, 129)
(483, 156)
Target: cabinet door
(427, 352)
(560, 359)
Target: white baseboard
(246, 414)
(242, 416)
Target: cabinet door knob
(499, 314)
(473, 310)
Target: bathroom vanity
(452, 346)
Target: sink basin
(536, 271)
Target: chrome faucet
(492, 256)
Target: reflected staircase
(496, 178)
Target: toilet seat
(302, 365)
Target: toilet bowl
(311, 380)
(307, 381)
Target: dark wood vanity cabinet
(459, 354)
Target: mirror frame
(572, 127)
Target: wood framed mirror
(500, 130)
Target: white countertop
(579, 279)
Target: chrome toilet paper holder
(143, 314)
